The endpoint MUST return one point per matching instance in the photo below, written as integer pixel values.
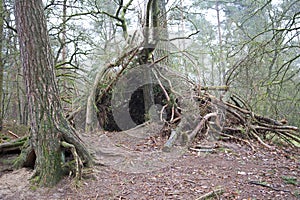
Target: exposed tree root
(27, 156)
(78, 162)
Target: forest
(149, 99)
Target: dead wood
(200, 125)
(100, 78)
(244, 123)
(227, 136)
(13, 134)
(268, 186)
(212, 194)
(170, 141)
(210, 115)
(14, 145)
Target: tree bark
(1, 63)
(156, 36)
(48, 124)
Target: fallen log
(12, 146)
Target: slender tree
(48, 125)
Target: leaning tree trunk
(48, 125)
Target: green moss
(7, 161)
(290, 180)
(4, 137)
(33, 187)
(21, 159)
(49, 166)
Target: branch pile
(230, 121)
(194, 112)
(201, 113)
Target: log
(201, 124)
(168, 145)
(14, 145)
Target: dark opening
(136, 108)
(30, 160)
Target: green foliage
(290, 180)
(297, 194)
(4, 138)
(33, 187)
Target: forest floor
(130, 165)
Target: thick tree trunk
(1, 63)
(48, 124)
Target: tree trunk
(220, 58)
(1, 63)
(48, 124)
(156, 36)
(161, 34)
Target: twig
(140, 125)
(189, 181)
(220, 88)
(162, 111)
(213, 193)
(268, 186)
(260, 140)
(172, 113)
(238, 139)
(278, 130)
(13, 134)
(211, 150)
(176, 119)
(169, 82)
(161, 86)
(280, 127)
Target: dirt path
(135, 168)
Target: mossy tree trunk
(48, 125)
(1, 61)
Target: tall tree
(48, 125)
(1, 62)
(155, 38)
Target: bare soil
(130, 165)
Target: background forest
(204, 94)
(250, 46)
